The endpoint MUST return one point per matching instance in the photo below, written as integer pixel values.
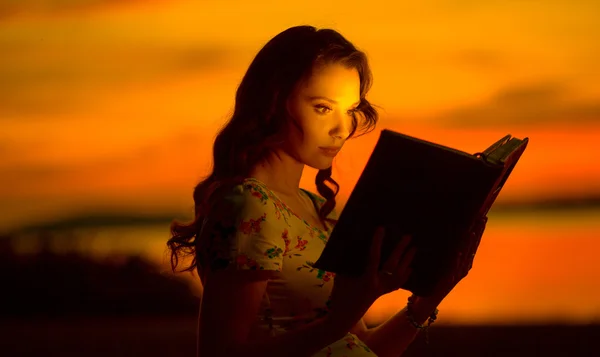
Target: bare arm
(393, 337)
(230, 304)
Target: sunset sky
(113, 105)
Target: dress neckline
(310, 196)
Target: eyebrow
(328, 99)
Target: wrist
(424, 311)
(423, 307)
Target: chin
(321, 165)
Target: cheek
(314, 136)
(309, 130)
(312, 132)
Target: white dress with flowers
(265, 234)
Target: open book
(412, 186)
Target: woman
(256, 233)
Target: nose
(342, 126)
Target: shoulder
(244, 231)
(244, 198)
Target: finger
(407, 260)
(375, 253)
(399, 250)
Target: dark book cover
(432, 192)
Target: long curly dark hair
(258, 124)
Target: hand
(462, 261)
(352, 296)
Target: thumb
(375, 252)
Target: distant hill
(165, 219)
(549, 204)
(100, 220)
(61, 285)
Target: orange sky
(116, 106)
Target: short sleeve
(245, 235)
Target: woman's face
(322, 106)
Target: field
(175, 336)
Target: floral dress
(263, 233)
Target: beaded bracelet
(411, 319)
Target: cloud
(174, 156)
(25, 7)
(61, 85)
(479, 59)
(525, 105)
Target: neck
(281, 174)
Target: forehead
(334, 81)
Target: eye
(322, 109)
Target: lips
(329, 151)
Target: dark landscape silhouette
(52, 285)
(72, 305)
